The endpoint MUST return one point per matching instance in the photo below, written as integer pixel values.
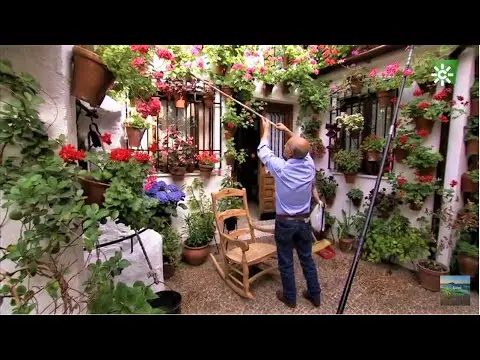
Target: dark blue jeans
(289, 235)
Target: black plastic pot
(170, 301)
(231, 223)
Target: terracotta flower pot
(346, 244)
(178, 172)
(205, 169)
(430, 279)
(168, 269)
(180, 103)
(208, 100)
(230, 160)
(219, 69)
(467, 265)
(350, 178)
(91, 78)
(94, 191)
(373, 156)
(383, 98)
(426, 172)
(134, 136)
(400, 154)
(195, 256)
(191, 167)
(356, 86)
(329, 200)
(229, 131)
(467, 184)
(423, 124)
(428, 87)
(415, 206)
(267, 89)
(474, 107)
(357, 202)
(472, 147)
(227, 90)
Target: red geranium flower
(423, 105)
(141, 157)
(120, 155)
(423, 133)
(153, 147)
(155, 106)
(453, 183)
(425, 179)
(403, 139)
(443, 118)
(164, 54)
(70, 154)
(418, 92)
(158, 75)
(139, 63)
(106, 138)
(143, 49)
(401, 181)
(393, 100)
(144, 109)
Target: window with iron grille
(195, 120)
(377, 120)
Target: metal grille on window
(276, 136)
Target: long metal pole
(353, 268)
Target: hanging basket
(267, 89)
(94, 191)
(472, 147)
(423, 124)
(383, 98)
(428, 87)
(229, 131)
(350, 178)
(415, 207)
(134, 136)
(373, 156)
(357, 202)
(91, 78)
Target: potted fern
(349, 162)
(199, 224)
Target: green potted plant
(415, 192)
(469, 181)
(135, 126)
(314, 94)
(471, 137)
(355, 79)
(382, 83)
(466, 225)
(233, 118)
(424, 159)
(171, 251)
(199, 224)
(425, 112)
(231, 202)
(178, 149)
(326, 186)
(423, 66)
(353, 124)
(467, 258)
(270, 78)
(345, 232)
(310, 126)
(474, 98)
(386, 202)
(349, 162)
(373, 146)
(405, 140)
(317, 149)
(232, 154)
(356, 196)
(206, 161)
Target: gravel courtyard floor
(377, 289)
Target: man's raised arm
(265, 154)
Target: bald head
(297, 147)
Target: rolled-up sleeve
(273, 163)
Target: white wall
(51, 67)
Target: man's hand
(282, 127)
(266, 129)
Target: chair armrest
(270, 231)
(241, 244)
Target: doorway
(252, 173)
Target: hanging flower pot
(208, 99)
(330, 199)
(91, 78)
(426, 172)
(357, 202)
(230, 130)
(467, 184)
(423, 124)
(428, 87)
(180, 102)
(94, 191)
(178, 172)
(267, 89)
(472, 147)
(383, 98)
(205, 169)
(350, 178)
(474, 107)
(400, 154)
(134, 136)
(356, 86)
(373, 156)
(219, 69)
(227, 90)
(415, 206)
(230, 159)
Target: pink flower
(313, 48)
(248, 76)
(159, 75)
(200, 63)
(262, 70)
(161, 85)
(237, 67)
(355, 52)
(155, 106)
(248, 53)
(297, 61)
(251, 70)
(194, 51)
(453, 183)
(313, 61)
(256, 54)
(333, 88)
(373, 72)
(408, 72)
(316, 71)
(279, 58)
(170, 67)
(418, 92)
(198, 47)
(393, 100)
(139, 62)
(188, 64)
(142, 49)
(341, 61)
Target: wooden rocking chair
(238, 260)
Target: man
(294, 182)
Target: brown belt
(293, 217)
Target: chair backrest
(220, 217)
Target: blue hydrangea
(161, 185)
(175, 196)
(162, 197)
(172, 188)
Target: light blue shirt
(293, 181)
